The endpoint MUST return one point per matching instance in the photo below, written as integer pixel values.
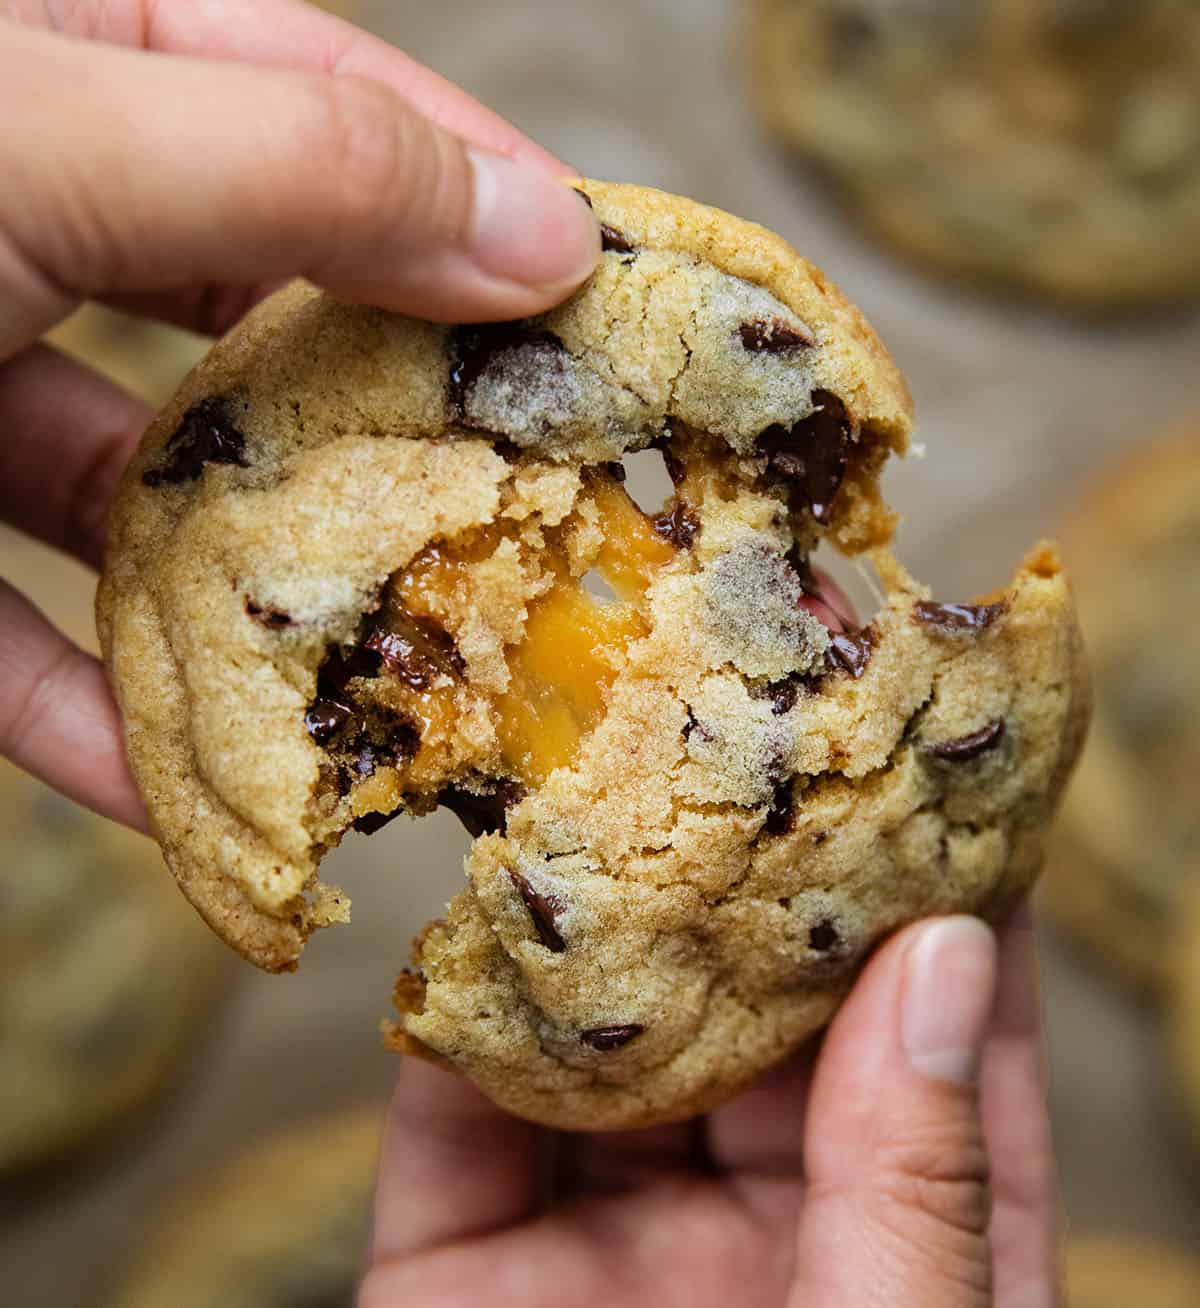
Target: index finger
(290, 34)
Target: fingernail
(530, 228)
(949, 992)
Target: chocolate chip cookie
(104, 976)
(1117, 1272)
(283, 1225)
(1052, 145)
(363, 566)
(1130, 832)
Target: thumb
(898, 1206)
(142, 172)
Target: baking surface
(1015, 407)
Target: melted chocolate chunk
(473, 349)
(543, 909)
(483, 813)
(325, 718)
(206, 434)
(950, 619)
(369, 823)
(851, 650)
(607, 1038)
(773, 336)
(781, 816)
(614, 241)
(813, 455)
(694, 727)
(971, 746)
(681, 526)
(783, 695)
(273, 618)
(824, 937)
(418, 650)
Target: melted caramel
(573, 643)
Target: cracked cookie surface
(104, 978)
(1052, 145)
(1126, 846)
(353, 573)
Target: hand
(853, 1179)
(179, 160)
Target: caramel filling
(560, 671)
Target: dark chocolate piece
(325, 718)
(418, 650)
(851, 650)
(681, 526)
(483, 813)
(543, 909)
(970, 746)
(614, 241)
(824, 937)
(607, 1038)
(472, 350)
(273, 618)
(951, 619)
(812, 455)
(206, 434)
(773, 336)
(369, 823)
(781, 816)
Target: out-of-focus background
(1018, 406)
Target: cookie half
(1052, 145)
(283, 1225)
(105, 976)
(1129, 838)
(353, 573)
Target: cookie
(145, 357)
(348, 579)
(1129, 834)
(104, 976)
(283, 1225)
(1119, 1272)
(1050, 145)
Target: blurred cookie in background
(283, 1225)
(1184, 1012)
(106, 974)
(1119, 1272)
(1128, 836)
(146, 357)
(1052, 145)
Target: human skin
(179, 160)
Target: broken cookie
(699, 799)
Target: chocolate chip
(965, 748)
(616, 471)
(543, 909)
(273, 618)
(694, 727)
(782, 694)
(484, 811)
(781, 816)
(671, 461)
(607, 1038)
(341, 666)
(681, 526)
(951, 619)
(824, 937)
(613, 240)
(369, 823)
(415, 649)
(473, 349)
(325, 718)
(813, 454)
(206, 434)
(773, 336)
(851, 650)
